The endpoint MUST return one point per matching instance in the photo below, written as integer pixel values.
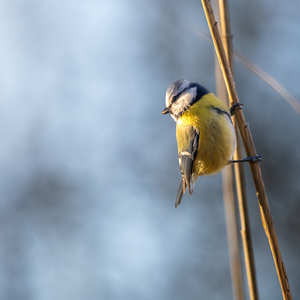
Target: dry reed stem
(232, 234)
(238, 168)
(250, 151)
(230, 211)
(228, 194)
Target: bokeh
(89, 169)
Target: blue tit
(205, 134)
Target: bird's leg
(251, 159)
(234, 107)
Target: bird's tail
(180, 192)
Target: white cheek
(188, 97)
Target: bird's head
(181, 94)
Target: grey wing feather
(187, 156)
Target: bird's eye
(175, 98)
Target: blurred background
(88, 165)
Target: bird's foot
(234, 107)
(251, 159)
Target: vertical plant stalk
(232, 234)
(250, 151)
(229, 204)
(230, 210)
(238, 168)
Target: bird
(205, 133)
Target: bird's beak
(166, 111)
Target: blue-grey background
(88, 165)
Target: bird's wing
(188, 143)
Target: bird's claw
(250, 159)
(234, 107)
(255, 158)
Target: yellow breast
(217, 139)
